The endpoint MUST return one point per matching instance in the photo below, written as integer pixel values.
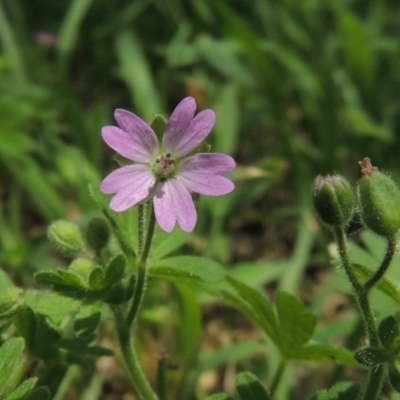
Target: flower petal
(210, 185)
(173, 203)
(210, 163)
(178, 123)
(135, 140)
(132, 184)
(198, 129)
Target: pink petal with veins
(132, 184)
(210, 163)
(173, 203)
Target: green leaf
(115, 270)
(323, 353)
(166, 243)
(188, 269)
(87, 320)
(25, 322)
(388, 331)
(54, 306)
(22, 390)
(371, 356)
(258, 308)
(296, 325)
(65, 282)
(10, 353)
(340, 391)
(249, 387)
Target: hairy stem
(139, 380)
(125, 322)
(390, 251)
(140, 286)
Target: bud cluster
(377, 199)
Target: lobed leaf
(249, 387)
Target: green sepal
(122, 161)
(97, 279)
(394, 375)
(333, 200)
(249, 387)
(158, 124)
(371, 356)
(389, 333)
(10, 301)
(66, 236)
(378, 200)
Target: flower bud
(82, 267)
(333, 200)
(378, 200)
(10, 301)
(97, 234)
(66, 236)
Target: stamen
(170, 162)
(163, 179)
(158, 161)
(168, 155)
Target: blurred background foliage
(300, 88)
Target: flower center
(164, 167)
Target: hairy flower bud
(333, 200)
(82, 267)
(97, 233)
(379, 200)
(66, 236)
(10, 301)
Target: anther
(158, 161)
(163, 179)
(168, 155)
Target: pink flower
(168, 173)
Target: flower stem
(124, 324)
(361, 294)
(390, 251)
(277, 378)
(374, 384)
(376, 374)
(344, 257)
(141, 271)
(140, 383)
